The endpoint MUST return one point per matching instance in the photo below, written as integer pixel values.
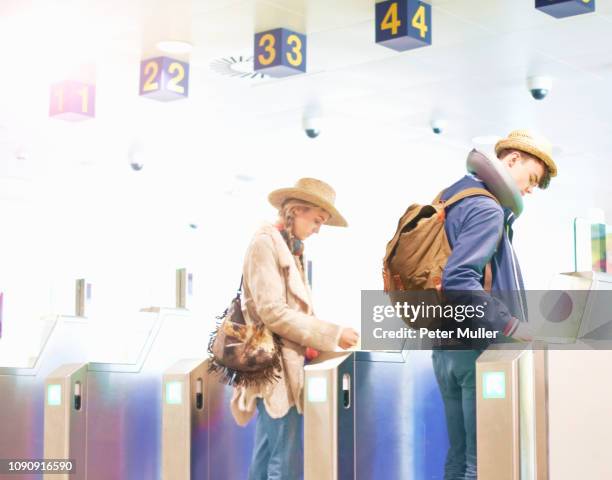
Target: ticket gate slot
(65, 419)
(184, 288)
(82, 300)
(329, 418)
(184, 421)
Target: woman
(276, 293)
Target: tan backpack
(418, 252)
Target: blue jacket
(479, 230)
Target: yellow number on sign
(173, 83)
(84, 94)
(60, 99)
(418, 21)
(269, 48)
(151, 69)
(296, 60)
(391, 22)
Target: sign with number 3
(280, 52)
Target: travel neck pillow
(497, 178)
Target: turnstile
(110, 419)
(184, 421)
(122, 424)
(371, 415)
(123, 402)
(545, 413)
(65, 421)
(512, 413)
(22, 388)
(200, 439)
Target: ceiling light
(174, 46)
(243, 177)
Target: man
(480, 231)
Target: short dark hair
(545, 180)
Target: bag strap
(240, 287)
(488, 278)
(468, 192)
(438, 198)
(471, 192)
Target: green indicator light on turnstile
(317, 389)
(493, 385)
(54, 394)
(174, 393)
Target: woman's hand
(348, 338)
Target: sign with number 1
(73, 101)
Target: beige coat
(276, 292)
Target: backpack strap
(488, 278)
(471, 192)
(438, 198)
(468, 192)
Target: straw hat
(527, 142)
(314, 191)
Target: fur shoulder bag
(244, 354)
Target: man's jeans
(278, 453)
(456, 374)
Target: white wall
(128, 231)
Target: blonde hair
(286, 214)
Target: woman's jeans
(278, 453)
(456, 374)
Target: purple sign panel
(164, 79)
(280, 52)
(73, 101)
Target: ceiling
(473, 76)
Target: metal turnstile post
(65, 424)
(329, 423)
(512, 413)
(184, 421)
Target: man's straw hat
(313, 191)
(525, 141)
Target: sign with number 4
(565, 8)
(403, 24)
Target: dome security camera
(539, 86)
(136, 157)
(438, 126)
(311, 126)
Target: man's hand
(523, 332)
(348, 338)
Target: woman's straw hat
(313, 191)
(524, 141)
